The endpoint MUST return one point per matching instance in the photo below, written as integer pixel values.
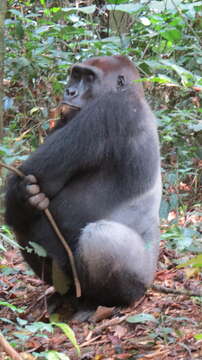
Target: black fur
(99, 170)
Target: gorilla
(99, 173)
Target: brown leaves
(109, 336)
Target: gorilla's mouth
(66, 106)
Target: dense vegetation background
(41, 41)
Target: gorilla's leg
(115, 264)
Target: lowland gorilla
(99, 173)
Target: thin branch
(11, 168)
(12, 353)
(57, 231)
(167, 290)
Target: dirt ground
(169, 332)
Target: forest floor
(167, 330)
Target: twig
(49, 291)
(89, 342)
(111, 322)
(57, 231)
(9, 349)
(11, 168)
(118, 320)
(159, 352)
(159, 288)
(167, 290)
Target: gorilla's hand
(34, 197)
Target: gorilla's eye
(90, 77)
(76, 75)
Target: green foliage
(180, 238)
(161, 326)
(141, 318)
(38, 249)
(195, 262)
(52, 355)
(40, 329)
(6, 238)
(12, 307)
(165, 333)
(69, 334)
(44, 41)
(164, 39)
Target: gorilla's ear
(120, 82)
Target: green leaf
(171, 35)
(22, 61)
(39, 327)
(198, 336)
(34, 110)
(173, 199)
(69, 334)
(12, 307)
(196, 262)
(141, 318)
(128, 8)
(38, 249)
(164, 4)
(164, 209)
(51, 355)
(87, 9)
(186, 76)
(19, 30)
(116, 2)
(43, 2)
(2, 248)
(15, 12)
(196, 127)
(55, 355)
(161, 79)
(43, 29)
(4, 151)
(172, 178)
(21, 322)
(10, 241)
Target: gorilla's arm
(96, 134)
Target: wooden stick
(57, 231)
(9, 349)
(167, 290)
